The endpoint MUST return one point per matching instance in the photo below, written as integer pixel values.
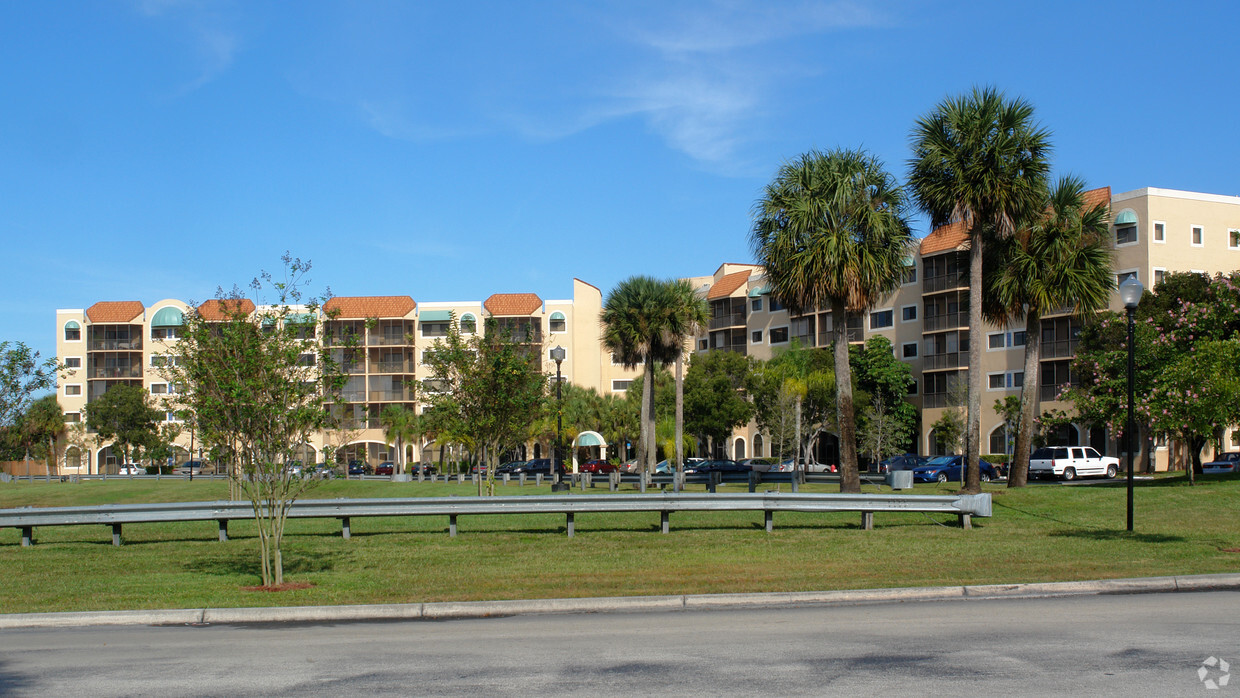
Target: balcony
(934, 284)
(1062, 349)
(353, 395)
(1050, 393)
(134, 344)
(956, 359)
(945, 322)
(391, 396)
(729, 320)
(114, 372)
(392, 367)
(353, 367)
(390, 340)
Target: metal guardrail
(964, 506)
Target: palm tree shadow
(246, 563)
(1114, 534)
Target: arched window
(1125, 227)
(73, 331)
(738, 449)
(557, 323)
(469, 324)
(999, 440)
(758, 444)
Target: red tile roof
(726, 286)
(115, 311)
(512, 304)
(955, 236)
(361, 307)
(215, 310)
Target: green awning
(299, 319)
(760, 291)
(168, 317)
(1126, 217)
(435, 316)
(557, 315)
(590, 438)
(72, 325)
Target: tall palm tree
(399, 424)
(831, 230)
(981, 161)
(638, 329)
(691, 313)
(1059, 259)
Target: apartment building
(1154, 232)
(379, 341)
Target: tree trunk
(972, 481)
(1030, 397)
(648, 398)
(850, 477)
(680, 411)
(797, 459)
(643, 431)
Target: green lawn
(1039, 533)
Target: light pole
(1130, 293)
(557, 355)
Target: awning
(299, 319)
(557, 315)
(760, 291)
(168, 317)
(435, 316)
(1126, 217)
(590, 438)
(72, 325)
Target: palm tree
(981, 161)
(831, 230)
(399, 423)
(638, 329)
(691, 314)
(1060, 259)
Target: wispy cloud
(211, 36)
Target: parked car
(948, 468)
(598, 466)
(1223, 463)
(131, 469)
(539, 466)
(190, 467)
(761, 465)
(907, 461)
(721, 465)
(385, 468)
(323, 471)
(357, 467)
(1070, 462)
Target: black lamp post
(1130, 293)
(557, 355)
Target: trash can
(900, 480)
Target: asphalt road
(1148, 644)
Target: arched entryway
(758, 445)
(738, 449)
(587, 445)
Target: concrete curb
(449, 610)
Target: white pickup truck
(1070, 462)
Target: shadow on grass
(1114, 534)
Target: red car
(384, 469)
(597, 467)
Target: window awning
(299, 318)
(72, 325)
(557, 315)
(435, 316)
(760, 291)
(591, 438)
(168, 317)
(1126, 217)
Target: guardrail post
(715, 478)
(452, 525)
(613, 481)
(460, 478)
(770, 521)
(665, 523)
(116, 534)
(966, 521)
(867, 520)
(521, 479)
(569, 516)
(344, 527)
(223, 530)
(27, 536)
(796, 478)
(505, 479)
(754, 479)
(537, 480)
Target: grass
(1038, 533)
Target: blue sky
(450, 150)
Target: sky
(155, 149)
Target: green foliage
(487, 388)
(22, 375)
(715, 401)
(1196, 396)
(125, 416)
(888, 422)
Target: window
(1233, 239)
(779, 335)
(998, 440)
(159, 388)
(73, 417)
(908, 313)
(776, 305)
(1122, 276)
(73, 331)
(305, 359)
(434, 329)
(703, 345)
(73, 362)
(908, 350)
(1160, 231)
(997, 340)
(620, 386)
(1159, 274)
(165, 332)
(1005, 340)
(469, 324)
(557, 323)
(74, 389)
(755, 304)
(996, 381)
(1018, 338)
(1198, 236)
(880, 319)
(757, 336)
(1125, 234)
(1002, 381)
(910, 274)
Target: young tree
(40, 427)
(886, 379)
(487, 386)
(399, 424)
(242, 378)
(831, 231)
(125, 416)
(979, 160)
(715, 401)
(22, 375)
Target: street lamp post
(1130, 293)
(557, 355)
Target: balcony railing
(116, 344)
(730, 320)
(527, 336)
(391, 395)
(945, 321)
(943, 283)
(1050, 393)
(956, 359)
(353, 395)
(1059, 349)
(114, 372)
(389, 341)
(392, 367)
(353, 367)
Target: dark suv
(539, 466)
